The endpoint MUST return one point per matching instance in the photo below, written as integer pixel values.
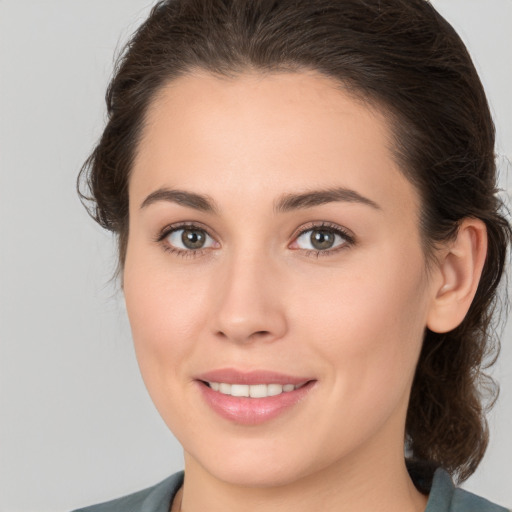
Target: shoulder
(153, 499)
(464, 501)
(445, 497)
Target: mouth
(253, 390)
(252, 398)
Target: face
(274, 251)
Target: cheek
(165, 313)
(370, 327)
(165, 319)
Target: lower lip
(253, 411)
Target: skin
(256, 297)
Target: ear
(458, 273)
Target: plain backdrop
(77, 426)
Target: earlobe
(459, 271)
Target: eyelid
(186, 253)
(164, 232)
(327, 226)
(346, 234)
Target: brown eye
(322, 239)
(189, 239)
(193, 238)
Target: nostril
(255, 333)
(259, 334)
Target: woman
(310, 245)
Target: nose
(249, 301)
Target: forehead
(267, 133)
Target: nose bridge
(248, 298)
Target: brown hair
(399, 55)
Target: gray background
(77, 425)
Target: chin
(256, 466)
(257, 475)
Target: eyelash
(329, 228)
(190, 253)
(193, 253)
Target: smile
(252, 398)
(253, 390)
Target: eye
(322, 239)
(188, 238)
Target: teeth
(239, 390)
(225, 389)
(274, 389)
(258, 391)
(254, 390)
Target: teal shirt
(443, 497)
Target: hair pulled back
(398, 55)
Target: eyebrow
(190, 199)
(290, 202)
(285, 203)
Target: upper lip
(233, 376)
